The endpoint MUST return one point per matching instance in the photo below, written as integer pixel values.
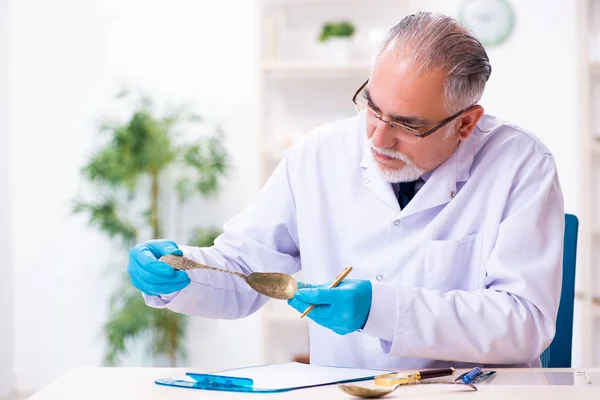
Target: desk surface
(138, 383)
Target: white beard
(410, 172)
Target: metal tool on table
(272, 284)
(390, 382)
(484, 377)
(475, 376)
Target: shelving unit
(301, 85)
(317, 68)
(587, 335)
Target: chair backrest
(558, 354)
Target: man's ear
(468, 121)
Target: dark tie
(406, 191)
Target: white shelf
(302, 84)
(339, 3)
(294, 69)
(588, 20)
(275, 2)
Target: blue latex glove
(342, 309)
(151, 276)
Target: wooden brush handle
(436, 373)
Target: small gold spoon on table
(389, 382)
(373, 393)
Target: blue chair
(558, 354)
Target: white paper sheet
(297, 375)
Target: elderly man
(452, 221)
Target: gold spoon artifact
(387, 383)
(373, 393)
(272, 284)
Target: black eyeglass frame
(416, 132)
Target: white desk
(138, 383)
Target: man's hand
(342, 309)
(151, 276)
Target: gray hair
(438, 42)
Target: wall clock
(492, 21)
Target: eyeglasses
(404, 132)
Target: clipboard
(271, 378)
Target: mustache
(391, 153)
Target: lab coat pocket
(454, 264)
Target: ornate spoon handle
(185, 263)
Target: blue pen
(472, 374)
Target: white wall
(6, 292)
(66, 57)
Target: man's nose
(383, 136)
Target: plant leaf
(105, 217)
(129, 318)
(203, 237)
(184, 188)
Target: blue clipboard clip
(215, 382)
(211, 382)
(220, 381)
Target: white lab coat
(469, 273)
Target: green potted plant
(336, 37)
(139, 161)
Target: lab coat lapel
(438, 190)
(441, 186)
(373, 180)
